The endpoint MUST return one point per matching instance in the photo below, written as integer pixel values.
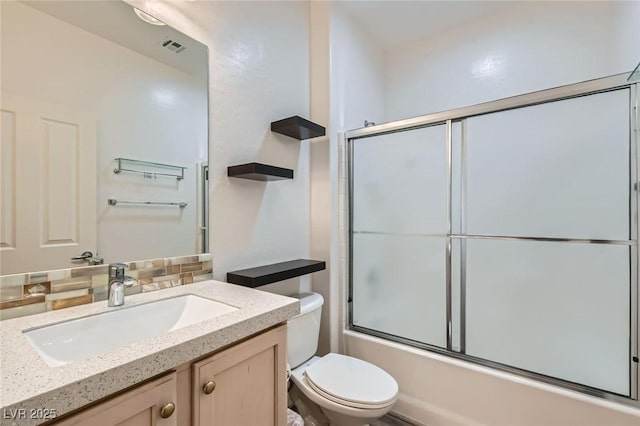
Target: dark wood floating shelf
(259, 171)
(298, 127)
(267, 274)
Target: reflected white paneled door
(560, 309)
(559, 169)
(48, 185)
(399, 234)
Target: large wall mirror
(83, 84)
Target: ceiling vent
(173, 46)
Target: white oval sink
(81, 338)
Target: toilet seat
(337, 400)
(351, 382)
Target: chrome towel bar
(114, 202)
(149, 169)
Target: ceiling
(389, 23)
(116, 22)
(393, 23)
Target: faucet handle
(116, 270)
(128, 281)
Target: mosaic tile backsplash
(33, 293)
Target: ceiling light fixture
(147, 18)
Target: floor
(390, 420)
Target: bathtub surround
(37, 292)
(491, 274)
(428, 394)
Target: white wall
(625, 49)
(357, 74)
(259, 73)
(321, 219)
(529, 47)
(519, 49)
(145, 110)
(347, 81)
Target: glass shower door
(548, 239)
(399, 228)
(506, 236)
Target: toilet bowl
(348, 391)
(351, 399)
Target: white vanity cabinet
(244, 384)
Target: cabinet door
(246, 383)
(141, 406)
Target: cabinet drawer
(144, 405)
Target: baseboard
(405, 419)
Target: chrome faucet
(117, 282)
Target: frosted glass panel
(400, 182)
(560, 309)
(554, 170)
(399, 286)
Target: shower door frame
(447, 118)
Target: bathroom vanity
(219, 387)
(222, 370)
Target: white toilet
(348, 391)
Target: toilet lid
(352, 381)
(340, 401)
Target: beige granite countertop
(27, 382)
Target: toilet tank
(303, 330)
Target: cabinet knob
(167, 410)
(209, 387)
